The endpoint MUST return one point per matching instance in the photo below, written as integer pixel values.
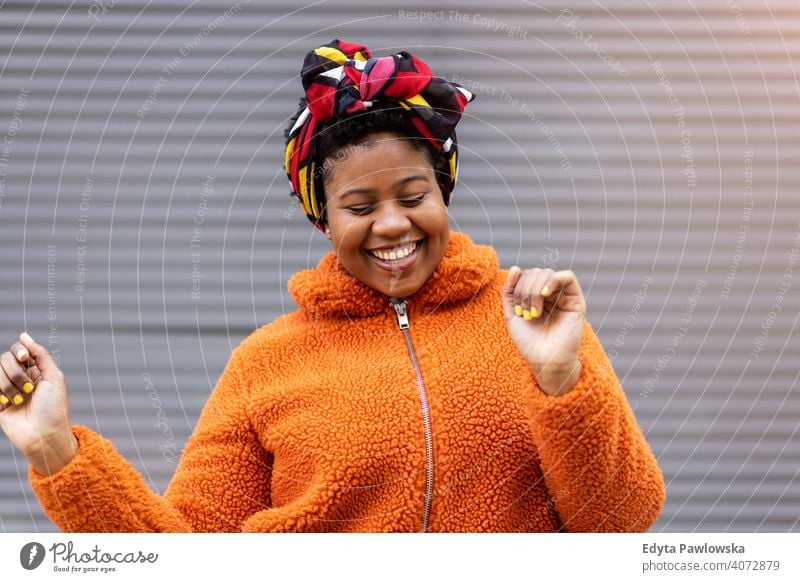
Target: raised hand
(33, 406)
(545, 312)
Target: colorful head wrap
(342, 78)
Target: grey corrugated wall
(649, 146)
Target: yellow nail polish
(545, 291)
(27, 387)
(4, 399)
(526, 314)
(27, 337)
(518, 309)
(534, 313)
(17, 399)
(21, 354)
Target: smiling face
(387, 218)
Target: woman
(418, 387)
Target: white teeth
(395, 254)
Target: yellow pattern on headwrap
(311, 195)
(418, 100)
(304, 187)
(332, 54)
(336, 55)
(289, 151)
(453, 165)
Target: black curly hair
(337, 134)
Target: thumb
(40, 357)
(508, 291)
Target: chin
(402, 290)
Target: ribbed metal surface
(615, 139)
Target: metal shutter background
(585, 169)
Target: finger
(22, 355)
(12, 380)
(40, 356)
(509, 298)
(20, 351)
(16, 372)
(5, 386)
(562, 289)
(563, 282)
(528, 292)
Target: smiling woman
(388, 226)
(417, 387)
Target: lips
(400, 257)
(394, 254)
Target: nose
(391, 220)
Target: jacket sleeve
(601, 474)
(222, 478)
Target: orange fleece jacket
(316, 425)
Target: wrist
(54, 453)
(557, 380)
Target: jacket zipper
(401, 308)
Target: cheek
(347, 233)
(436, 218)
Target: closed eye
(361, 210)
(408, 202)
(412, 201)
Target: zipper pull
(402, 312)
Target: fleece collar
(330, 291)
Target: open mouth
(400, 257)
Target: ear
(328, 232)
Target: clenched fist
(544, 312)
(33, 406)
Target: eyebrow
(398, 183)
